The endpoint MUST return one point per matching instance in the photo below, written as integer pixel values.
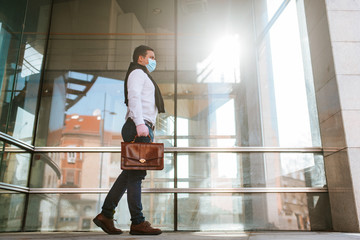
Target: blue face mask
(152, 65)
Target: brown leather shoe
(144, 228)
(106, 224)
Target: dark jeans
(129, 180)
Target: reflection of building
(79, 131)
(71, 166)
(294, 207)
(88, 131)
(78, 170)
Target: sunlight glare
(223, 63)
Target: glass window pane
(14, 168)
(12, 211)
(22, 45)
(287, 95)
(241, 80)
(231, 170)
(258, 211)
(32, 49)
(74, 212)
(11, 22)
(90, 170)
(87, 61)
(216, 69)
(265, 11)
(241, 87)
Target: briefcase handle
(141, 136)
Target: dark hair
(141, 51)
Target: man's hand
(142, 130)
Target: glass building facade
(241, 128)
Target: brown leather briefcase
(142, 156)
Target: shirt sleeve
(135, 86)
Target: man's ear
(141, 58)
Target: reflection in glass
(216, 70)
(234, 91)
(232, 170)
(90, 170)
(83, 95)
(11, 21)
(22, 44)
(259, 211)
(12, 211)
(290, 89)
(2, 144)
(265, 11)
(74, 212)
(14, 168)
(241, 80)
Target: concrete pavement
(283, 235)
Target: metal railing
(24, 147)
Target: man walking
(144, 101)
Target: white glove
(142, 130)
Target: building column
(334, 37)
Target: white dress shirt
(141, 98)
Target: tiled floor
(188, 236)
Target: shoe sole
(102, 226)
(142, 233)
